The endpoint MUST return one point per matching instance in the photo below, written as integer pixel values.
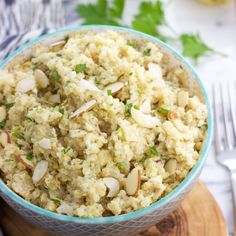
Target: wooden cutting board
(198, 215)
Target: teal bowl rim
(160, 203)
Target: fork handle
(233, 178)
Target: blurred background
(22, 20)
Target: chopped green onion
(61, 110)
(59, 54)
(130, 73)
(66, 38)
(80, 68)
(131, 44)
(136, 107)
(143, 159)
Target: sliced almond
(45, 143)
(3, 113)
(156, 73)
(146, 106)
(55, 98)
(182, 98)
(113, 185)
(144, 120)
(85, 107)
(27, 163)
(88, 85)
(64, 208)
(40, 171)
(5, 138)
(133, 182)
(114, 88)
(58, 45)
(173, 115)
(25, 85)
(41, 78)
(171, 166)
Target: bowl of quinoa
(99, 123)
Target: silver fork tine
(232, 112)
(219, 143)
(226, 122)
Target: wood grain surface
(198, 215)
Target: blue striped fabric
(22, 20)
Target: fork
(225, 133)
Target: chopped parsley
(118, 126)
(3, 123)
(130, 73)
(147, 52)
(35, 65)
(163, 111)
(205, 126)
(153, 151)
(66, 38)
(128, 108)
(143, 159)
(9, 105)
(131, 44)
(59, 54)
(18, 135)
(65, 150)
(136, 107)
(109, 92)
(56, 201)
(121, 165)
(55, 76)
(31, 119)
(8, 160)
(29, 156)
(61, 110)
(80, 68)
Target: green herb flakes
(153, 151)
(121, 165)
(31, 120)
(128, 108)
(3, 123)
(109, 92)
(163, 111)
(9, 105)
(80, 68)
(29, 156)
(18, 135)
(147, 52)
(65, 150)
(56, 201)
(55, 76)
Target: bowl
(129, 223)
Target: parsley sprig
(150, 19)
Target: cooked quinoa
(96, 125)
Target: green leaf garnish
(131, 43)
(59, 54)
(3, 123)
(193, 46)
(128, 108)
(163, 111)
(29, 156)
(130, 73)
(136, 107)
(150, 16)
(9, 105)
(80, 68)
(147, 52)
(101, 13)
(66, 38)
(109, 92)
